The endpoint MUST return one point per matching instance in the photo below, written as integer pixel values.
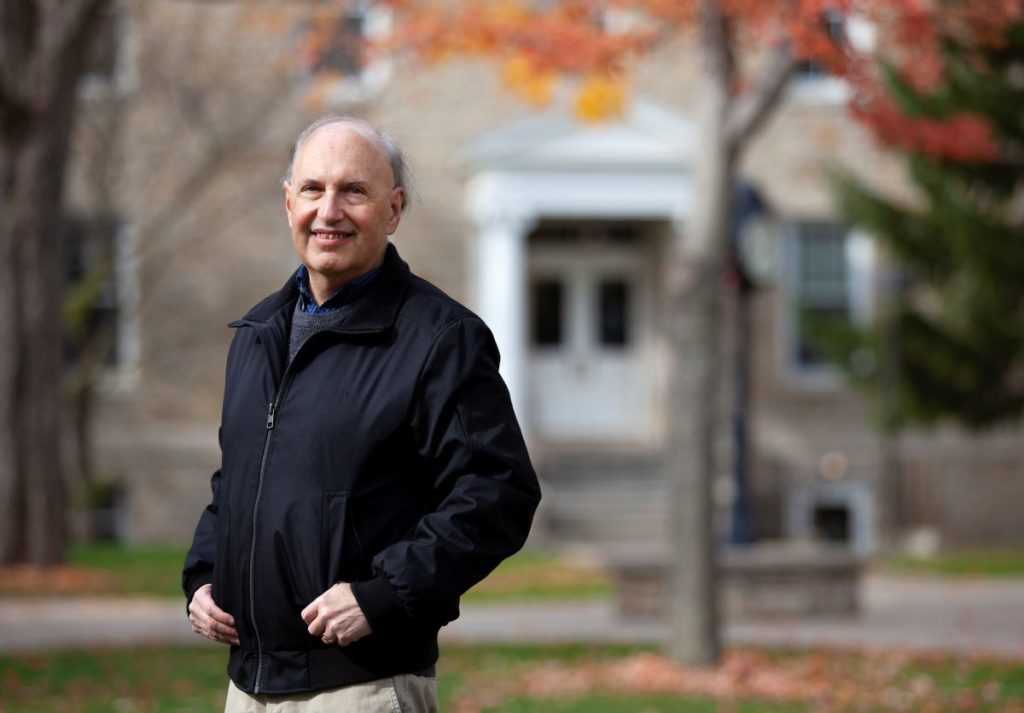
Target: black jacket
(386, 454)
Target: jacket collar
(374, 310)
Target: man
(372, 467)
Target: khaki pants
(399, 694)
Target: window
(835, 25)
(344, 45)
(339, 51)
(820, 288)
(613, 313)
(106, 66)
(90, 290)
(812, 82)
(547, 312)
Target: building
(555, 231)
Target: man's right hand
(210, 620)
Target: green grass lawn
(155, 570)
(498, 679)
(137, 569)
(531, 575)
(964, 563)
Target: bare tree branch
(69, 20)
(748, 113)
(17, 36)
(717, 57)
(66, 29)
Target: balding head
(381, 139)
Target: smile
(332, 236)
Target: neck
(322, 288)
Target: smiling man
(343, 200)
(372, 467)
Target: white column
(501, 295)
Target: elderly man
(372, 467)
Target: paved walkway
(922, 614)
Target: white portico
(570, 222)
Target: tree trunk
(726, 122)
(693, 294)
(43, 49)
(33, 494)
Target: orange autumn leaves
(588, 48)
(820, 680)
(537, 46)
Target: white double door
(592, 370)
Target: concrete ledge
(757, 581)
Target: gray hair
(383, 140)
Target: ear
(287, 201)
(397, 196)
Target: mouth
(332, 237)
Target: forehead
(341, 148)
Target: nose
(332, 208)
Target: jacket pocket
(340, 543)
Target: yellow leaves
(600, 97)
(522, 75)
(507, 12)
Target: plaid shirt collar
(339, 299)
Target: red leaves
(914, 32)
(961, 137)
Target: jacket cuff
(380, 603)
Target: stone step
(602, 467)
(595, 515)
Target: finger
(203, 603)
(224, 630)
(228, 637)
(225, 638)
(311, 611)
(205, 620)
(218, 614)
(199, 622)
(318, 627)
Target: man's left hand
(335, 616)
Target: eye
(309, 188)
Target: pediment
(646, 137)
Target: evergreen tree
(950, 342)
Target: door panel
(591, 337)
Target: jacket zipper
(271, 416)
(271, 413)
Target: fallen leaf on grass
(827, 680)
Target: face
(341, 205)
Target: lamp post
(752, 262)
